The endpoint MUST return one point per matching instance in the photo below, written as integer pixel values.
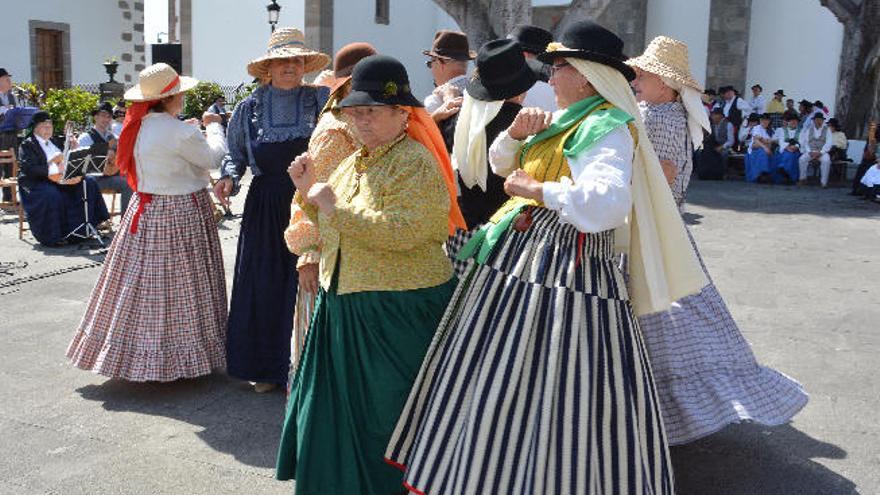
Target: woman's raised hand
(529, 121)
(302, 172)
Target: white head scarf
(697, 119)
(663, 265)
(469, 148)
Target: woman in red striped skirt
(158, 311)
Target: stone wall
(133, 59)
(729, 24)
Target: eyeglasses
(429, 63)
(556, 68)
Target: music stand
(81, 163)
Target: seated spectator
(788, 151)
(118, 120)
(818, 106)
(745, 132)
(711, 163)
(789, 106)
(776, 104)
(102, 142)
(759, 159)
(710, 97)
(734, 107)
(870, 183)
(839, 142)
(869, 158)
(219, 108)
(54, 207)
(758, 102)
(815, 144)
(805, 108)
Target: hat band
(390, 87)
(509, 77)
(174, 82)
(285, 43)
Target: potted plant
(110, 65)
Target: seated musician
(101, 140)
(54, 206)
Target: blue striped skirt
(537, 380)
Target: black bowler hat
(502, 72)
(532, 38)
(3, 72)
(780, 93)
(379, 80)
(754, 117)
(834, 122)
(805, 103)
(39, 118)
(103, 107)
(590, 41)
(819, 115)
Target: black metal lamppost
(274, 11)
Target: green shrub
(32, 94)
(200, 98)
(243, 92)
(70, 104)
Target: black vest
(734, 115)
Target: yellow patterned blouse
(333, 140)
(390, 222)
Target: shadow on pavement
(779, 199)
(232, 417)
(751, 459)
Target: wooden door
(50, 61)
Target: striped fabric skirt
(706, 374)
(158, 310)
(537, 380)
(453, 246)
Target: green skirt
(362, 354)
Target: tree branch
(582, 9)
(845, 10)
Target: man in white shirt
(758, 101)
(735, 108)
(816, 142)
(448, 63)
(534, 41)
(787, 140)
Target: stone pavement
(800, 269)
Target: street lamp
(274, 11)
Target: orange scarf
(422, 128)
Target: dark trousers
(860, 172)
(8, 140)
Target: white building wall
(794, 45)
(411, 30)
(95, 35)
(685, 20)
(227, 34)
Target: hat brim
(519, 84)
(375, 98)
(135, 94)
(654, 66)
(614, 63)
(313, 61)
(461, 57)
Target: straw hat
(287, 43)
(667, 57)
(159, 81)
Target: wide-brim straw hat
(667, 57)
(287, 43)
(159, 81)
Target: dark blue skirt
(758, 163)
(54, 211)
(264, 287)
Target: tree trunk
(858, 87)
(581, 9)
(485, 20)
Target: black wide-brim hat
(589, 41)
(502, 71)
(532, 38)
(3, 73)
(379, 80)
(38, 118)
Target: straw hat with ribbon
(287, 43)
(668, 58)
(159, 81)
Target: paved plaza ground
(799, 267)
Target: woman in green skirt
(383, 217)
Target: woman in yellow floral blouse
(333, 140)
(383, 216)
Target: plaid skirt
(454, 245)
(158, 311)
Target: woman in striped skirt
(537, 381)
(707, 376)
(158, 311)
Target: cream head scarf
(662, 264)
(469, 149)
